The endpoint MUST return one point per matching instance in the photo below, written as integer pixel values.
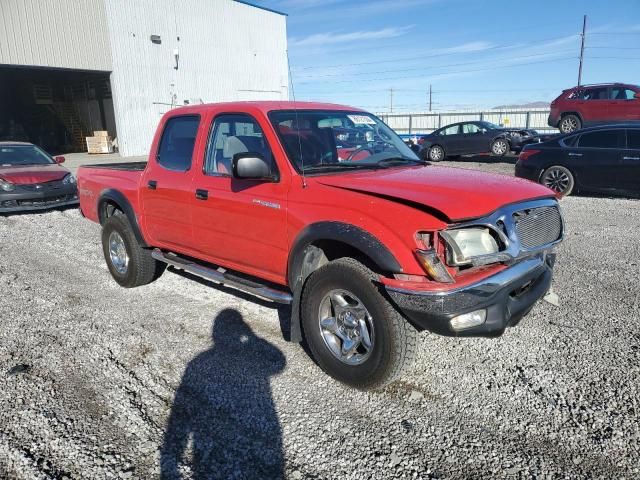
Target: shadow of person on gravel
(223, 423)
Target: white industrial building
(68, 67)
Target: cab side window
(232, 134)
(178, 140)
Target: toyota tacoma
(369, 244)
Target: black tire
(559, 179)
(141, 268)
(570, 123)
(436, 153)
(500, 147)
(394, 340)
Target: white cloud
(319, 39)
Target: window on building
(177, 142)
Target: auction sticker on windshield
(361, 119)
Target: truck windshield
(11, 155)
(321, 141)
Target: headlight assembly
(69, 180)
(7, 186)
(467, 246)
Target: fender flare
(351, 235)
(117, 197)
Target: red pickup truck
(325, 208)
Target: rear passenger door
(165, 188)
(630, 162)
(596, 159)
(451, 139)
(240, 224)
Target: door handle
(572, 154)
(631, 158)
(152, 184)
(202, 194)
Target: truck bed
(127, 166)
(95, 180)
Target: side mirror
(251, 166)
(637, 96)
(59, 159)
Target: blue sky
(474, 53)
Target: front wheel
(500, 147)
(354, 334)
(559, 179)
(130, 264)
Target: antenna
(295, 109)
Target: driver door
(240, 224)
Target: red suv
(589, 105)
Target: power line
(444, 54)
(461, 64)
(444, 73)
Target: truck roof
(264, 106)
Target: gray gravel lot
(98, 381)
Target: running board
(222, 277)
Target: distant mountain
(523, 105)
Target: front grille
(34, 187)
(538, 226)
(46, 201)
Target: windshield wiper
(398, 161)
(338, 166)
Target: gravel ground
(104, 382)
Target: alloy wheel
(436, 153)
(500, 147)
(346, 327)
(557, 180)
(118, 253)
(568, 124)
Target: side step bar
(222, 277)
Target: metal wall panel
(54, 33)
(226, 51)
(417, 123)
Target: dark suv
(589, 105)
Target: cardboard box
(99, 144)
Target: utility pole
(430, 97)
(584, 32)
(391, 100)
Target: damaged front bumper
(504, 299)
(38, 197)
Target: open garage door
(55, 109)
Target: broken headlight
(466, 246)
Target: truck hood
(30, 174)
(458, 193)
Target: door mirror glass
(59, 159)
(251, 166)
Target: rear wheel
(570, 123)
(436, 153)
(559, 179)
(500, 147)
(353, 332)
(130, 264)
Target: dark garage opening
(55, 109)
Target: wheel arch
(111, 200)
(321, 242)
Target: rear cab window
(175, 151)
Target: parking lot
(104, 382)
